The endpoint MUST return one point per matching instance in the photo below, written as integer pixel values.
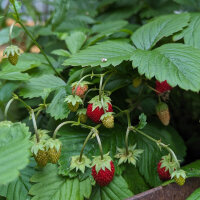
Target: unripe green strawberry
(40, 154)
(72, 107)
(179, 176)
(82, 115)
(12, 53)
(41, 158)
(163, 114)
(180, 181)
(13, 59)
(108, 120)
(73, 102)
(137, 82)
(53, 148)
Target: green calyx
(131, 158)
(108, 114)
(98, 103)
(11, 50)
(178, 173)
(38, 146)
(102, 163)
(73, 99)
(83, 83)
(42, 135)
(161, 107)
(169, 164)
(80, 165)
(51, 143)
(82, 111)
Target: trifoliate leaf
(176, 63)
(14, 150)
(49, 185)
(149, 34)
(103, 54)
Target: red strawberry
(81, 89)
(163, 175)
(95, 109)
(103, 177)
(162, 87)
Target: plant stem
(127, 131)
(153, 89)
(105, 82)
(92, 89)
(126, 140)
(99, 143)
(100, 87)
(159, 143)
(34, 41)
(35, 126)
(85, 142)
(10, 33)
(23, 102)
(59, 126)
(7, 107)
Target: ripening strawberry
(163, 113)
(180, 180)
(162, 87)
(95, 109)
(179, 176)
(163, 173)
(81, 89)
(82, 115)
(103, 170)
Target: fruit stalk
(35, 126)
(99, 143)
(59, 126)
(127, 131)
(159, 143)
(7, 107)
(10, 33)
(34, 41)
(84, 144)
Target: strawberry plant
(98, 99)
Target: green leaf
(135, 180)
(148, 161)
(75, 41)
(177, 63)
(61, 52)
(26, 61)
(109, 27)
(58, 108)
(14, 76)
(19, 188)
(41, 86)
(4, 34)
(116, 190)
(149, 34)
(195, 195)
(112, 52)
(143, 121)
(49, 185)
(14, 150)
(191, 33)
